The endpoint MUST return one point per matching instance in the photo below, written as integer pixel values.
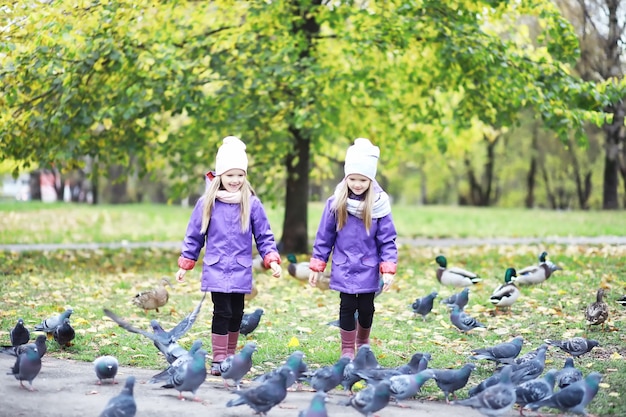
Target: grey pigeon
(123, 404)
(265, 396)
(236, 366)
(49, 324)
(493, 380)
(530, 355)
(463, 321)
(415, 364)
(576, 346)
(495, 400)
(19, 334)
(375, 375)
(40, 344)
(189, 376)
(535, 389)
(451, 380)
(371, 399)
(424, 305)
(64, 333)
(460, 298)
(250, 322)
(329, 377)
(317, 408)
(573, 398)
(501, 353)
(295, 363)
(568, 375)
(106, 368)
(173, 367)
(530, 369)
(27, 366)
(407, 386)
(362, 360)
(165, 341)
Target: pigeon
(576, 346)
(295, 363)
(495, 400)
(415, 364)
(530, 369)
(250, 322)
(64, 333)
(317, 408)
(501, 353)
(50, 324)
(165, 341)
(424, 305)
(407, 386)
(535, 390)
(27, 366)
(265, 396)
(451, 380)
(573, 398)
(359, 363)
(597, 312)
(463, 321)
(236, 366)
(375, 375)
(568, 374)
(530, 355)
(40, 344)
(326, 378)
(173, 368)
(189, 376)
(122, 405)
(19, 334)
(460, 298)
(106, 368)
(371, 399)
(455, 277)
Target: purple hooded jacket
(358, 258)
(227, 264)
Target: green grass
(33, 222)
(40, 284)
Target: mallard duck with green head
(298, 270)
(597, 312)
(507, 293)
(153, 299)
(455, 277)
(536, 274)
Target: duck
(598, 312)
(455, 277)
(257, 264)
(622, 300)
(506, 294)
(253, 292)
(298, 270)
(536, 274)
(153, 299)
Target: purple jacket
(227, 264)
(357, 257)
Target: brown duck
(597, 313)
(153, 299)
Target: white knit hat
(231, 155)
(362, 158)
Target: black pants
(353, 303)
(227, 312)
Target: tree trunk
(614, 133)
(295, 228)
(480, 192)
(532, 170)
(295, 236)
(583, 187)
(549, 193)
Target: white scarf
(382, 206)
(228, 197)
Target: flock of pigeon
(515, 380)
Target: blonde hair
(340, 206)
(210, 195)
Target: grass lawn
(37, 285)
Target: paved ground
(67, 388)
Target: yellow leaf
(294, 342)
(613, 394)
(604, 385)
(615, 356)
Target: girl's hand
(387, 281)
(277, 271)
(313, 277)
(180, 275)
